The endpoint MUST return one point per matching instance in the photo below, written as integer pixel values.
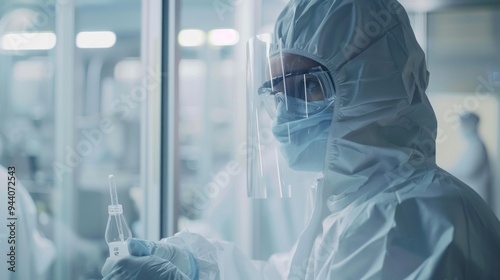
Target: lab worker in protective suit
(473, 166)
(344, 84)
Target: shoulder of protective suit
(431, 197)
(430, 231)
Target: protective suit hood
(382, 118)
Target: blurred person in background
(473, 166)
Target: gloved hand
(156, 260)
(141, 268)
(173, 253)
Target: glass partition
(72, 89)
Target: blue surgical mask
(302, 140)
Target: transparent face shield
(289, 111)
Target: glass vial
(117, 232)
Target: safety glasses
(298, 93)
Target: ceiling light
(223, 37)
(191, 37)
(95, 39)
(28, 41)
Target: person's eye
(312, 85)
(314, 91)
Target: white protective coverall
(384, 210)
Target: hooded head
(382, 118)
(469, 122)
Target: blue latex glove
(157, 260)
(141, 268)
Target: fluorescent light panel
(223, 37)
(191, 37)
(28, 41)
(95, 39)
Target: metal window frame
(169, 119)
(159, 155)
